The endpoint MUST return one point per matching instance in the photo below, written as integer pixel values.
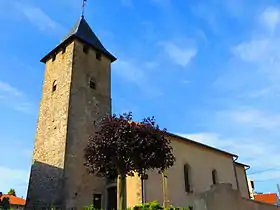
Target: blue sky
(206, 69)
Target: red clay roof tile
(14, 200)
(267, 198)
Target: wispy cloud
(180, 55)
(253, 118)
(20, 148)
(255, 62)
(264, 92)
(6, 88)
(263, 45)
(207, 13)
(15, 171)
(255, 152)
(258, 49)
(127, 3)
(12, 97)
(270, 18)
(184, 81)
(38, 17)
(163, 3)
(130, 71)
(137, 74)
(13, 178)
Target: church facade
(76, 93)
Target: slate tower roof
(83, 33)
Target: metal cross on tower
(83, 7)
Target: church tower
(76, 93)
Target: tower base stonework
(45, 187)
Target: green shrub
(147, 206)
(156, 206)
(88, 207)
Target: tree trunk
(165, 189)
(122, 192)
(144, 177)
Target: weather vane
(83, 7)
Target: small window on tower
(54, 57)
(54, 86)
(85, 49)
(63, 50)
(98, 56)
(92, 84)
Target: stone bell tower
(76, 93)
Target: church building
(76, 93)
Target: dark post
(143, 178)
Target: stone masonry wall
(46, 179)
(242, 181)
(223, 197)
(87, 106)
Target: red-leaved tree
(122, 147)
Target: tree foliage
(4, 202)
(12, 192)
(120, 146)
(154, 205)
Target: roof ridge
(83, 32)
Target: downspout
(235, 173)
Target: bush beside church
(148, 206)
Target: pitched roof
(199, 144)
(267, 198)
(242, 165)
(202, 145)
(14, 200)
(84, 33)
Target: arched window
(54, 86)
(187, 176)
(214, 176)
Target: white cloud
(258, 49)
(179, 55)
(267, 91)
(253, 118)
(138, 74)
(129, 71)
(184, 81)
(151, 64)
(38, 17)
(263, 45)
(5, 87)
(14, 171)
(254, 67)
(14, 178)
(270, 18)
(20, 149)
(127, 3)
(12, 97)
(166, 4)
(255, 152)
(249, 127)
